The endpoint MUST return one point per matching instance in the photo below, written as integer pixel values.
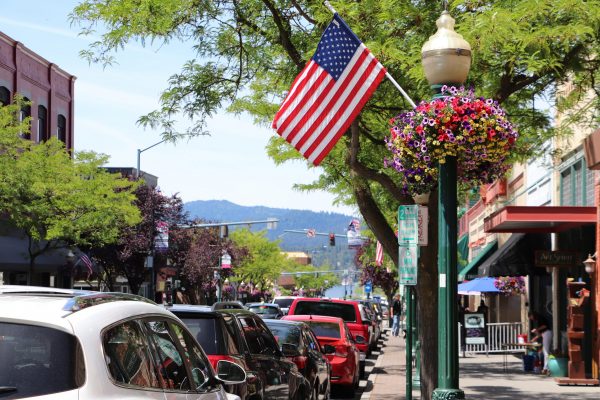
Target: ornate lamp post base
(448, 394)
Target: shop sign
(557, 258)
(475, 328)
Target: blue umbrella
(478, 286)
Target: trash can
(528, 362)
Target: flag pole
(387, 74)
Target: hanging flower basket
(510, 285)
(473, 129)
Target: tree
(265, 261)
(316, 282)
(127, 257)
(203, 258)
(57, 201)
(249, 51)
(384, 277)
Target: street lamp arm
(139, 153)
(151, 146)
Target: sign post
(412, 232)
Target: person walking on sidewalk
(397, 311)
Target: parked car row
(82, 345)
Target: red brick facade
(49, 88)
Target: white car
(64, 344)
(284, 302)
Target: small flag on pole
(329, 92)
(379, 254)
(88, 264)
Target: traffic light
(332, 239)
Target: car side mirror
(289, 350)
(328, 349)
(359, 339)
(230, 373)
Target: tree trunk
(427, 304)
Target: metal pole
(447, 307)
(408, 289)
(137, 169)
(416, 345)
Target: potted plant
(474, 130)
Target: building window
(4, 96)
(61, 129)
(577, 185)
(42, 124)
(25, 113)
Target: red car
(349, 311)
(345, 360)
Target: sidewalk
(481, 377)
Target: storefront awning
(542, 219)
(516, 256)
(470, 270)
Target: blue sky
(231, 164)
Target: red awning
(531, 219)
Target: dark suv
(242, 337)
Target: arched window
(61, 128)
(25, 113)
(42, 124)
(4, 96)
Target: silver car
(64, 344)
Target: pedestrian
(541, 331)
(397, 311)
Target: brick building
(51, 93)
(49, 89)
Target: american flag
(379, 254)
(329, 92)
(88, 263)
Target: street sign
(368, 287)
(408, 225)
(408, 264)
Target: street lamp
(446, 59)
(139, 153)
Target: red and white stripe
(379, 254)
(318, 110)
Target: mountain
(322, 222)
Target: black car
(265, 310)
(300, 345)
(242, 337)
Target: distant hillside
(325, 222)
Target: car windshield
(263, 309)
(340, 310)
(204, 330)
(37, 361)
(285, 334)
(283, 303)
(325, 329)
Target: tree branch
(285, 33)
(303, 13)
